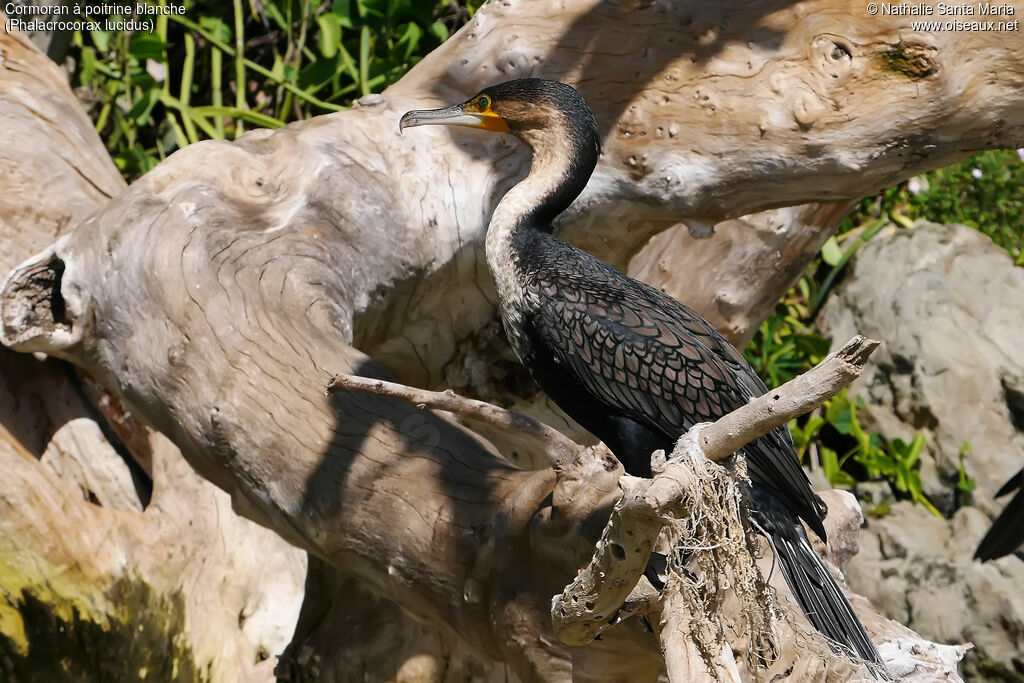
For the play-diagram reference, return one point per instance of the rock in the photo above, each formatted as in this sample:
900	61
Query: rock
842	525
948	306
917	569
874	494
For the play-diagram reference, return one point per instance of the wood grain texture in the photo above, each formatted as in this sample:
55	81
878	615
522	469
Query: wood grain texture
770	248
85	571
217	295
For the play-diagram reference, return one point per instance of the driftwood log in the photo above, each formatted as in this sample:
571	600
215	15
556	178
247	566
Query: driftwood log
217	295
93	587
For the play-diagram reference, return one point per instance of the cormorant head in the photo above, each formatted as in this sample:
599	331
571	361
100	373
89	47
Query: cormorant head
534	110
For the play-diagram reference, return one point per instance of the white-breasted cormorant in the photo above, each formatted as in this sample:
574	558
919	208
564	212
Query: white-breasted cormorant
632	365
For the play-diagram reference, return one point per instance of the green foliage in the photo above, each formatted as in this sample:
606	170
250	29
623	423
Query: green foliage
964	484
786	345
221	66
983	192
836	257
783	348
836	423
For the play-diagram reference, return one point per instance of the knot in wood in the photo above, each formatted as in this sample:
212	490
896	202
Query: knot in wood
914	60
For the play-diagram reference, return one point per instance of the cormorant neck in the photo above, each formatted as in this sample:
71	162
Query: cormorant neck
561	132
564	155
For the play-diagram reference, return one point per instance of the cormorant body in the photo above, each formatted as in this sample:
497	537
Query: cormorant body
630	364
1007	533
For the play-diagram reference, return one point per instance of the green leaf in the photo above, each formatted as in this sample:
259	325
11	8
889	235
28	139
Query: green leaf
830	251
101	39
278	69
343	10
364	60
440	31
330	34
843	422
88	65
915	449
835	475
397	8
816	346
371	8
410	40
274	13
217	28
142	80
318	72
834	405
143	106
812	426
145	46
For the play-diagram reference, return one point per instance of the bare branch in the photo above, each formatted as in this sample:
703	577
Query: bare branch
794	398
586	607
560	448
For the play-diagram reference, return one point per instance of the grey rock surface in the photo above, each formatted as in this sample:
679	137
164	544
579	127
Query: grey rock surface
917	569
948	306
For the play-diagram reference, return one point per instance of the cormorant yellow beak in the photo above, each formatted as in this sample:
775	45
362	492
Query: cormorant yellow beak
455	115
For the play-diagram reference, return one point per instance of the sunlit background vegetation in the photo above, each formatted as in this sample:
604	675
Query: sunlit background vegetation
228	66
153	93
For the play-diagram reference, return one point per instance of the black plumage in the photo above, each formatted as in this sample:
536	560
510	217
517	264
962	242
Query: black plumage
644	363
1007	533
630	364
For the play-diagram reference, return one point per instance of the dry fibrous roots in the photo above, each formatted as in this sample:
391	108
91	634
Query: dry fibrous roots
715	578
715	550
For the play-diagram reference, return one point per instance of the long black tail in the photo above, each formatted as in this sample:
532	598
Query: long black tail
812	585
1007	532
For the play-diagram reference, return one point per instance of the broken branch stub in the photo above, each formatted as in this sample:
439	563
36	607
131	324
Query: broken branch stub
794	398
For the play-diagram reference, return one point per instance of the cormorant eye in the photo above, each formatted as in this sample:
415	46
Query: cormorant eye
483	102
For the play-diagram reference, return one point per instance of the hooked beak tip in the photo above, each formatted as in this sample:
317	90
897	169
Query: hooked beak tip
402	122
411	119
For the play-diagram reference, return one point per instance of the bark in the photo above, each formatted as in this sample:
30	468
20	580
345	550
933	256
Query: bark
93	585
218	295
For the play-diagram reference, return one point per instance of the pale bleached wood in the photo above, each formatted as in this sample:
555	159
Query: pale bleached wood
55	168
776	245
185	585
556	447
683	660
218	294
